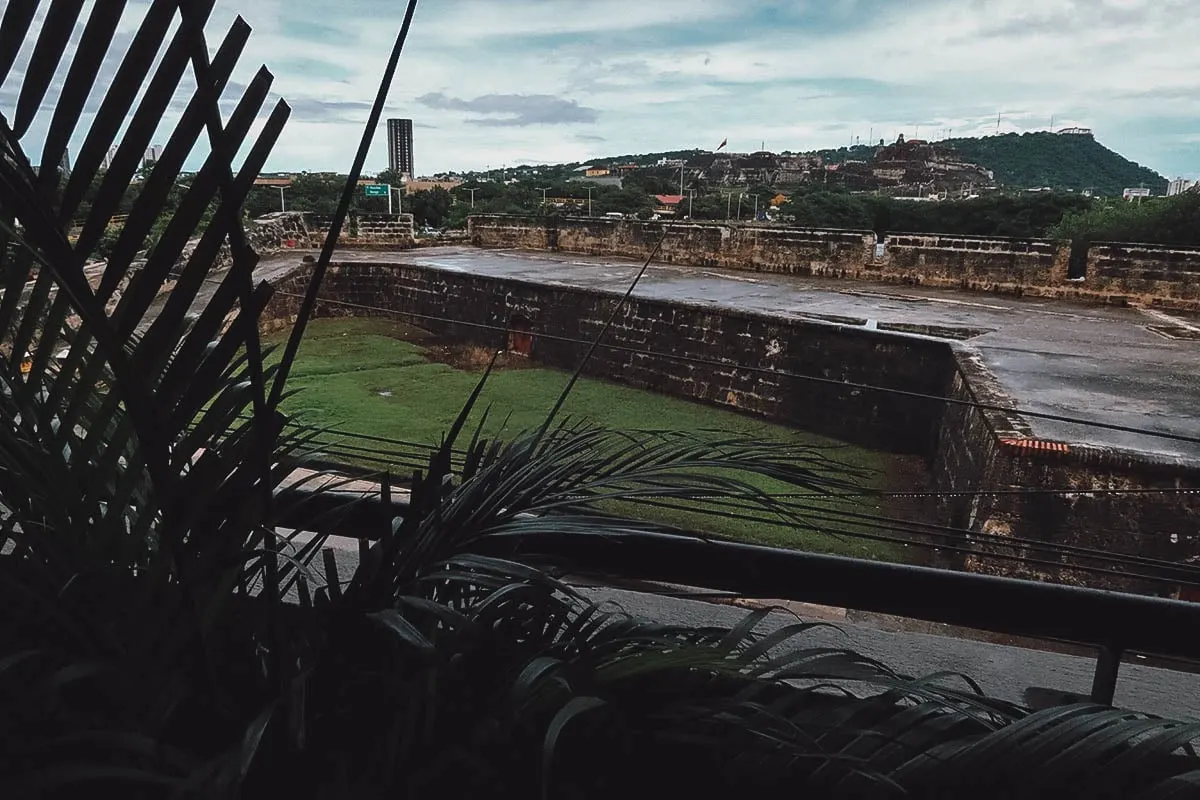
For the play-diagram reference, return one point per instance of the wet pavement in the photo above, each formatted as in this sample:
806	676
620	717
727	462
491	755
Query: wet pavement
1104	364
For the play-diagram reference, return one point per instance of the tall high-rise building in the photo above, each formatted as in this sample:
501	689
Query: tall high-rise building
1179	186
400	146
153	154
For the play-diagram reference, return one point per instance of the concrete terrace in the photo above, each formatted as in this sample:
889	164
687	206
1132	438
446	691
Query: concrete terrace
1138	368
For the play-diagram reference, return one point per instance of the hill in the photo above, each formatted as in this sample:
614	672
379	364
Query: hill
1035	160
1073	162
1078	162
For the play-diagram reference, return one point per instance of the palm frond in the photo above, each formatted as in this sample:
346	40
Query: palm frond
95	407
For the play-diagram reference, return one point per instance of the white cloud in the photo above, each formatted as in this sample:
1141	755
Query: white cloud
677	73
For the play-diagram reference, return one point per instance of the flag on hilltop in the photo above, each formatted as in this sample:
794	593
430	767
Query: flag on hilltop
724	142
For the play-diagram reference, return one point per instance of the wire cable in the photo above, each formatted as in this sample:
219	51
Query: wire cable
1178	437
1072	490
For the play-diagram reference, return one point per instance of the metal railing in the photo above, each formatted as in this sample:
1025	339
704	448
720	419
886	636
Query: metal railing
1114	623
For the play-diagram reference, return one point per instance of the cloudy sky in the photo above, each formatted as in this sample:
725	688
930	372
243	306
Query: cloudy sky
495	82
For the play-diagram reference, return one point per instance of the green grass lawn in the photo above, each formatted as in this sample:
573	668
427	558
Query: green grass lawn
361	376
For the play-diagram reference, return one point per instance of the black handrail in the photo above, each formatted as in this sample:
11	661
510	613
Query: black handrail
1113	622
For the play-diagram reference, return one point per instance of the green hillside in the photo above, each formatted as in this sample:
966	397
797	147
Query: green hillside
1032	160
1019	161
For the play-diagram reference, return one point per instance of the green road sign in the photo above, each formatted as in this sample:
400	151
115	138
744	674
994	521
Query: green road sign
376	189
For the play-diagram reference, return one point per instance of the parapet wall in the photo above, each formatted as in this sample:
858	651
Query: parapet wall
1024	503
727	358
1117	274
816	376
759	248
1153	274
362	231
1009	266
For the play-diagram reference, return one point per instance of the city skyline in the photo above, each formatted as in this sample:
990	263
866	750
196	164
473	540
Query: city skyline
553	81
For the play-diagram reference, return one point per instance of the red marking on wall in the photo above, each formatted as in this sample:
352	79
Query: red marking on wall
1036	445
520	336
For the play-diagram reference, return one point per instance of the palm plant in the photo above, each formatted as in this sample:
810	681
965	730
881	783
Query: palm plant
148	644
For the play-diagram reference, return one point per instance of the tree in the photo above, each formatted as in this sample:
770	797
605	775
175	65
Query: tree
1169	220
316	193
430	207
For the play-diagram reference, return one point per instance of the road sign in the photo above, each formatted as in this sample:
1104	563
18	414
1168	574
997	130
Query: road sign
376	189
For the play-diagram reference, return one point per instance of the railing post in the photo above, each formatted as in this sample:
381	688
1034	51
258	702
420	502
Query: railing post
1104	682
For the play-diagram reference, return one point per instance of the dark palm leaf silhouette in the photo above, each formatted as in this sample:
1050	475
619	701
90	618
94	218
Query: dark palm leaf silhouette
140	453
134	440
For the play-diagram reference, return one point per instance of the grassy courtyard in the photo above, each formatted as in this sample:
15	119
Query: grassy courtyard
367	376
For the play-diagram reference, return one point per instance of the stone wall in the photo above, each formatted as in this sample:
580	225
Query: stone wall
362	231
684	350
815	376
759	248
266	235
996	481
1167	277
1008	266
275	232
1117	274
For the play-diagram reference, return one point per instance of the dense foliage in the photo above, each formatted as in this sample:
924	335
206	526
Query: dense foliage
1034	160
1158	220
1027	215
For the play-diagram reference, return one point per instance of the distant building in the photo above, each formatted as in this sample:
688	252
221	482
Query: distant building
1075	132
602	180
1130	194
667	203
1179	186
400	146
153	154
563	202
596	172
412	187
107	160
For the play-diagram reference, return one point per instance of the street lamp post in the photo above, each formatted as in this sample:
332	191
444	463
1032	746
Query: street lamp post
399	190
542	189
756	208
740	196
473	191
691	196
282	202
728	204
589	201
